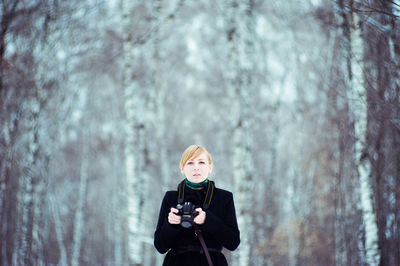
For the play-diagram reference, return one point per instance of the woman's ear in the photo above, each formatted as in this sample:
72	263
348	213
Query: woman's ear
211	167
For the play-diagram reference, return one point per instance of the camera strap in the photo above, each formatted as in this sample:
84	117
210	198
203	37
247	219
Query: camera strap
207	199
203	244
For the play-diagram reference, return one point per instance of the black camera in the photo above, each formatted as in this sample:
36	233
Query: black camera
188	213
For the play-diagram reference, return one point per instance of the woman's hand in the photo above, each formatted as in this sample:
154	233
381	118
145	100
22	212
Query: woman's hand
201	217
173	218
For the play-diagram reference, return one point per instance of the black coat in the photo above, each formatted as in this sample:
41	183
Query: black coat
219	230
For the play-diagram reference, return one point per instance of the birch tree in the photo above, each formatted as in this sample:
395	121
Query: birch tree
241	89
345	61
134	131
7	194
377	154
148	151
15	16
26	193
118	199
58	228
79	219
28	241
358	108
394	45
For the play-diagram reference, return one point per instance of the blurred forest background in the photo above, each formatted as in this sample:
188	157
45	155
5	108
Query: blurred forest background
297	101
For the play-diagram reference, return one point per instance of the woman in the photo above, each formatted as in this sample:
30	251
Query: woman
213	221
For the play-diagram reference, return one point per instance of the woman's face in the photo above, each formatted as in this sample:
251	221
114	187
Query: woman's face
197	169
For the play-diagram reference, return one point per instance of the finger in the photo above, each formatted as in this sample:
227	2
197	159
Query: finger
173	215
173	210
173	219
199	219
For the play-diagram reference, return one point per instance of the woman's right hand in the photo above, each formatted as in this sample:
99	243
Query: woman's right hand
173	218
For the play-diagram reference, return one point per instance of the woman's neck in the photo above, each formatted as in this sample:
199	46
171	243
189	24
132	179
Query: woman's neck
196	186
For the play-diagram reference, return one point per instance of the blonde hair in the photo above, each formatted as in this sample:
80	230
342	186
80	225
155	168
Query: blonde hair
193	151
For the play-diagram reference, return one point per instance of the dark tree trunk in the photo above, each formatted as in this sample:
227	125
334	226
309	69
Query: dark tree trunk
379	79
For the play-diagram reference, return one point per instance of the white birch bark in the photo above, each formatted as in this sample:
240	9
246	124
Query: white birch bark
9	136
231	72
241	91
358	109
79	222
348	215
79	219
131	150
154	129
4	165
160	90
41	166
143	191
116	221
37	222
58	228
117	197
25	208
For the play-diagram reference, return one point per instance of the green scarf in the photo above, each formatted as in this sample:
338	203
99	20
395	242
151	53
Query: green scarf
196	186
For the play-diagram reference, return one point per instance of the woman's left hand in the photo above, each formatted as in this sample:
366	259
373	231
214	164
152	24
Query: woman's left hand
201	217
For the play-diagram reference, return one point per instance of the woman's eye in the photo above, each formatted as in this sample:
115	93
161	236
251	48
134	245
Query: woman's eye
202	162
190	163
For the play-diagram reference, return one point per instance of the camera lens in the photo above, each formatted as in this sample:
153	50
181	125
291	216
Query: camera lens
186	224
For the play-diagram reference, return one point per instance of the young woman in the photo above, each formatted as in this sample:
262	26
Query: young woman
212	220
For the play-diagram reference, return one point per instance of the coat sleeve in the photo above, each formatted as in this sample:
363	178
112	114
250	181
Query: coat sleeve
224	230
165	233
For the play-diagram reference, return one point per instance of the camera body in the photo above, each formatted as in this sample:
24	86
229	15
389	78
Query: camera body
188	212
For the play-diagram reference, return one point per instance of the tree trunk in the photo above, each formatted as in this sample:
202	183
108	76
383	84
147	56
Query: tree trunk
154	126
395	128
118	203
7	194
134	127
53	203
240	56
79	221
348	82
358	107
28	183
379	82
117	208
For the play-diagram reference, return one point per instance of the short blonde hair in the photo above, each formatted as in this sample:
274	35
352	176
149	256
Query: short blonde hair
193	151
